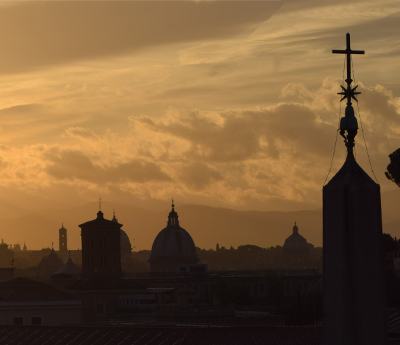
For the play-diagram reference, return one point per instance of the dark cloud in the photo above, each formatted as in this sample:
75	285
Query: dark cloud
293	128
5	147
199	175
380	103
34	35
3	163
80	132
71	165
21	110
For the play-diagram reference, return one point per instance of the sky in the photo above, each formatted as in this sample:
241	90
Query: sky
223	103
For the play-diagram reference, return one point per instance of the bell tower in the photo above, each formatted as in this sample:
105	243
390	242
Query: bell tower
101	247
62	239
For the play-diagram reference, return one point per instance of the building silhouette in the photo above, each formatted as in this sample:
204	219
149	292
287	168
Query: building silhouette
101	247
6	255
353	280
173	249
296	250
62	239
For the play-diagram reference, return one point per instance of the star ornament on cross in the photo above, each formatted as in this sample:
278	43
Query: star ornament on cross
348	92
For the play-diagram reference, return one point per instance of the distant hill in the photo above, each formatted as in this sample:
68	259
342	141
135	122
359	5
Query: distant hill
207	225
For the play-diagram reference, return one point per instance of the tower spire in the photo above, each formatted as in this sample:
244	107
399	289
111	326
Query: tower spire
348	122
173	216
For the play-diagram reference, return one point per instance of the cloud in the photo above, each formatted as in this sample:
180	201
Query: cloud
199	175
243	135
21	113
75	165
80	132
255	157
35	35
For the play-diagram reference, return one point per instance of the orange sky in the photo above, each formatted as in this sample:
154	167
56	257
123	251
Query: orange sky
229	104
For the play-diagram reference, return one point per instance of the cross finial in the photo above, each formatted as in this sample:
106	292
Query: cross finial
348	92
348	123
100	203
173	203
52	247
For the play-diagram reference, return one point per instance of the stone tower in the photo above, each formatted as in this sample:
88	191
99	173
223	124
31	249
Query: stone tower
353	277
101	247
62	240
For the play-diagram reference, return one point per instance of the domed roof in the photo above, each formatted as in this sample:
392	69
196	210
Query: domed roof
125	242
69	268
295	240
51	261
126	246
173	240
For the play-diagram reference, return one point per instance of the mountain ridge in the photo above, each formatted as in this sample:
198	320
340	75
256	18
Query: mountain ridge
208	225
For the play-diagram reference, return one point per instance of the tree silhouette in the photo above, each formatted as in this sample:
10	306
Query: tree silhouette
393	169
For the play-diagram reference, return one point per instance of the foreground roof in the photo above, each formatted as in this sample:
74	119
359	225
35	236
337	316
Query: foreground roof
14	335
24	290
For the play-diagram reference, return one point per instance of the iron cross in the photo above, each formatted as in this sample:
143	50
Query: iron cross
348	92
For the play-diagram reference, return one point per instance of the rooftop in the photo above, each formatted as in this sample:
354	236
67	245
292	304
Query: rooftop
27	290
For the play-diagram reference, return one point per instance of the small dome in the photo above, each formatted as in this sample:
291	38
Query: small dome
173	240
125	242
295	240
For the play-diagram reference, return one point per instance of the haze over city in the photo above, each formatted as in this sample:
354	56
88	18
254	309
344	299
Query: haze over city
225	104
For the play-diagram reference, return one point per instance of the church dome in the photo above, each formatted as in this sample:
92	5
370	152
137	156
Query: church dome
296	241
125	242
126	246
173	241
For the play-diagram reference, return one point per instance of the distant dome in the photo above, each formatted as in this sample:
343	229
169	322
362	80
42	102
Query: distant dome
125	242
296	241
173	241
126	246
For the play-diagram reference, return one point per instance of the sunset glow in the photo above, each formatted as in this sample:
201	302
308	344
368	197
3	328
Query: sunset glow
226	104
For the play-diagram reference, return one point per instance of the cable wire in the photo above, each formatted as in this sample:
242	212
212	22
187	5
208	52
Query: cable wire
337	132
362	129
365	144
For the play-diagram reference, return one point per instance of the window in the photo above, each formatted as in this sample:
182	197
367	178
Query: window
99	308
18	321
36	321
